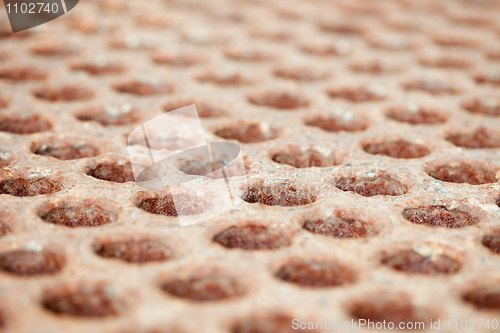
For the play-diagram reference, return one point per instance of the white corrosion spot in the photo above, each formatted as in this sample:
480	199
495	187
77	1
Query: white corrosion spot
423	250
33	246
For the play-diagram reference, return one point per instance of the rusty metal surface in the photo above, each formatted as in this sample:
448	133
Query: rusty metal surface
360	123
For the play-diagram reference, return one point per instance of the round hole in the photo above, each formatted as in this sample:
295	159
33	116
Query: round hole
113	171
301	73
24	124
422	260
135	250
279	99
78	214
248	132
110	115
305	156
484	298
434	87
367	93
446	62
315	273
391	307
439	216
205	109
340	225
66	93
204	287
178	59
31	262
492	77
480	138
48	49
25	187
92	300
473	173
268	323
492	241
4	102
165	205
340	120
415	115
143	88
398	149
372	184
488	106
279	193
248	55
230	78
21	74
254	237
98	69
65	149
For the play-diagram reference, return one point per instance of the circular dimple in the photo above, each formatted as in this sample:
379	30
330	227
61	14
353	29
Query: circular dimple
79	214
339	225
316	273
230	78
166	205
25	187
248	55
415	115
439	216
31	262
448	40
340	47
282	100
248	132
446	62
395	307
266	324
492	77
301	73
141	88
254	237
480	138
474	173
488	106
397	148
423	261
20	74
344	120
487	297
84	300
185	59
368	93
4	225
114	171
372	184
434	87
205	287
52	50
305	156
135	250
4	101
279	193
66	149
96	68
205	109
24	124
492	241
342	28
374	67
110	115
66	93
